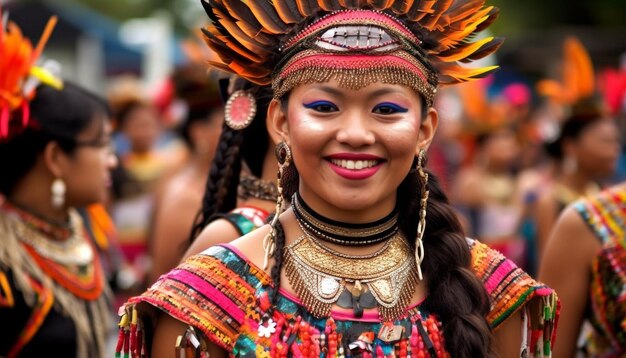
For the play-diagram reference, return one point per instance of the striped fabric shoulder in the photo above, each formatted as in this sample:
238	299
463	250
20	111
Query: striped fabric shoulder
212	292
508	286
605	214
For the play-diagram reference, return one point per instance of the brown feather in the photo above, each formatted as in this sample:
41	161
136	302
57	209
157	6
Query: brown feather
460	52
400	7
493	15
226	51
288	11
267	16
241	12
485	50
462	9
307	7
429	21
242	41
421	8
349	4
380	4
329	5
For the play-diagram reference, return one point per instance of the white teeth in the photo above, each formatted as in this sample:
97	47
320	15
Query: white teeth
354	164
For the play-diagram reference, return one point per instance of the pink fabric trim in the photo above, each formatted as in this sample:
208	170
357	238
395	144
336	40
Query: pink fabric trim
504	269
210	291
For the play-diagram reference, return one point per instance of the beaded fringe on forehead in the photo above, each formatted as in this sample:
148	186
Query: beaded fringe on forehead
353	79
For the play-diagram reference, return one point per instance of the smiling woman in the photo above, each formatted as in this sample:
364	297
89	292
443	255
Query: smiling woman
369	259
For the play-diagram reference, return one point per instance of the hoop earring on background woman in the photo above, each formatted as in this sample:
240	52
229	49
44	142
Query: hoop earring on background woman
421	225
58	190
283	155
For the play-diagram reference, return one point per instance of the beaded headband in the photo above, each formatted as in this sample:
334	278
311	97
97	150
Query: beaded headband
416	43
356	48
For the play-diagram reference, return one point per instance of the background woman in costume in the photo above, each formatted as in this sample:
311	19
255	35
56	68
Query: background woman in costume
586	147
486	191
369	259
180	196
591	276
241	191
55	153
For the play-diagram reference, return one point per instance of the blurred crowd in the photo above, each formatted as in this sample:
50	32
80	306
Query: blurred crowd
512	154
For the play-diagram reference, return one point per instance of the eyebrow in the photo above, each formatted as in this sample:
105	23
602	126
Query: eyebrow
337	92
331	90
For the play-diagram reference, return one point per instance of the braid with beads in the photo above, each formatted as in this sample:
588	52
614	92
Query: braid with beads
249	145
223	179
455	294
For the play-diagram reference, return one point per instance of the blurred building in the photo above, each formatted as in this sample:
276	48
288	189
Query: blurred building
86	43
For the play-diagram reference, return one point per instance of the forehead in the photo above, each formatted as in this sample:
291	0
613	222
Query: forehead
376	89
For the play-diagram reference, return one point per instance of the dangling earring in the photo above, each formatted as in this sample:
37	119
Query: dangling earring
283	155
58	193
421	225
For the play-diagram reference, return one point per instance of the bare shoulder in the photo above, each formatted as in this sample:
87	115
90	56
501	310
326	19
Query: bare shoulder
251	245
571	229
219	231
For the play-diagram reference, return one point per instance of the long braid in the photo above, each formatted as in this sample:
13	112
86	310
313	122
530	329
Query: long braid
455	294
221	186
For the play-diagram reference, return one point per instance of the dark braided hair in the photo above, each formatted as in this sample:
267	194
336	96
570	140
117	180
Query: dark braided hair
455	294
249	145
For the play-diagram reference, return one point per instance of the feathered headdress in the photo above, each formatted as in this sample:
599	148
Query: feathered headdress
417	43
578	79
18	74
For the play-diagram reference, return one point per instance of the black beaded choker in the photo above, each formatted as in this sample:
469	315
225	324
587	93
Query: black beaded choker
341	233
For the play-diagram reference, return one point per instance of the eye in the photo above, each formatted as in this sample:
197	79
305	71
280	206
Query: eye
322	106
389	108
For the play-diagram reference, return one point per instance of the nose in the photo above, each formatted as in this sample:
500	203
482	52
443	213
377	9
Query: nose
355	130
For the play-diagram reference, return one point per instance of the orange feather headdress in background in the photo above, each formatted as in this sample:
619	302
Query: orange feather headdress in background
578	79
19	74
260	40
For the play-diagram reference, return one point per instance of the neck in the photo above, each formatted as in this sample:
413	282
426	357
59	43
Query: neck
200	163
337	232
34	195
578	181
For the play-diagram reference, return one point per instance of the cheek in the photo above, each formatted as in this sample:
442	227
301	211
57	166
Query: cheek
401	137
306	132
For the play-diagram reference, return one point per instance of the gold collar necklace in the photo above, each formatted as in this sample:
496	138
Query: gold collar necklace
321	276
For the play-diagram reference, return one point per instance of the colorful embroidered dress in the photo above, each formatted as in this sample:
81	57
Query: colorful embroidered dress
606	216
53	296
225	297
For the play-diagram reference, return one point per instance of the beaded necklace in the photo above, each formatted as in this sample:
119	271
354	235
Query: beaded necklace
329	230
64	253
322	276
